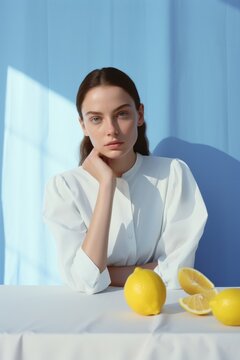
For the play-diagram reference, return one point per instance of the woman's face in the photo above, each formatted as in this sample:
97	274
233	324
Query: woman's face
110	119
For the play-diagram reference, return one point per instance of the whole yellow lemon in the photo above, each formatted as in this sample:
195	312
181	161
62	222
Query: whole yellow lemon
145	292
226	306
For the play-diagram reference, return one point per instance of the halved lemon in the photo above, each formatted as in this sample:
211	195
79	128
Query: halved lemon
194	282
197	304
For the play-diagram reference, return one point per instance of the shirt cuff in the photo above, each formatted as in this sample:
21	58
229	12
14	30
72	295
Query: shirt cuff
170	280
87	275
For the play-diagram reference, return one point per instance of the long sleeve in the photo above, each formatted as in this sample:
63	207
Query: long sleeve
65	223
184	219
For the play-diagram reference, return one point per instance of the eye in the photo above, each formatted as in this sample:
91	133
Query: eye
95	119
123	114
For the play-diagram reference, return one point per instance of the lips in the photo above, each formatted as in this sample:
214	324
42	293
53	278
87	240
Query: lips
112	143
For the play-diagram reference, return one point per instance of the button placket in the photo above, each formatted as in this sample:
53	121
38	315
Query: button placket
129	223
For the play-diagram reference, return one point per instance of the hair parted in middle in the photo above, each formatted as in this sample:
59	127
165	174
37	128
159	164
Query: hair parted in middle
114	77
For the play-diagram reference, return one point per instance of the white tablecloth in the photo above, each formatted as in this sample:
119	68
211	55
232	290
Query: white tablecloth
49	323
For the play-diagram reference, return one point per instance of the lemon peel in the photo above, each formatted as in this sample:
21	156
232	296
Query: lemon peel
145	292
197	304
200	289
193	281
226	306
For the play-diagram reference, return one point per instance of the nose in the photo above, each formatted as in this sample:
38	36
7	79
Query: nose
111	127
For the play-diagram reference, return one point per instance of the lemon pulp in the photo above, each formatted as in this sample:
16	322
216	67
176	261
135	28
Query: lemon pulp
193	281
200	288
196	304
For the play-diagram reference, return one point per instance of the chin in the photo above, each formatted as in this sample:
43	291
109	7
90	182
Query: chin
114	154
117	155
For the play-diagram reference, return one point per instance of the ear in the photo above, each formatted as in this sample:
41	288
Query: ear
83	126
140	115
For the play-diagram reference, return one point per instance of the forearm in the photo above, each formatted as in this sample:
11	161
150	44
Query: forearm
119	274
95	243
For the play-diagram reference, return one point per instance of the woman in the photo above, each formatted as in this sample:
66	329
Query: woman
121	208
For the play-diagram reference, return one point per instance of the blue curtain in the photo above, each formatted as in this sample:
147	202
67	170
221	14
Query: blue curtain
184	57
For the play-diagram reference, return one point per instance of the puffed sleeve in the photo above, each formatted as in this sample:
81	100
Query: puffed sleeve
65	223
184	219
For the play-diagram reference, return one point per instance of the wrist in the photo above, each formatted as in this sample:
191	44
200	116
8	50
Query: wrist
108	183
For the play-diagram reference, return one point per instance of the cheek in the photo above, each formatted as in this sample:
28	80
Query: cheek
95	138
131	129
127	125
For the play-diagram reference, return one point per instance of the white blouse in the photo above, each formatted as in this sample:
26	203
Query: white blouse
158	214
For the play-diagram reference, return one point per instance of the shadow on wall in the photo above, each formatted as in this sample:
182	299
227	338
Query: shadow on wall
218	177
234	3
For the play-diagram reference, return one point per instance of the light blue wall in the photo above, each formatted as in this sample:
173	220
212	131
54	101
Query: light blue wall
184	57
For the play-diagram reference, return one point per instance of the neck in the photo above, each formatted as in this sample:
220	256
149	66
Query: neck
123	164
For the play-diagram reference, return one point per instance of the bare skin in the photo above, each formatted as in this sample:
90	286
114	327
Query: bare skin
99	226
103	123
119	274
100	223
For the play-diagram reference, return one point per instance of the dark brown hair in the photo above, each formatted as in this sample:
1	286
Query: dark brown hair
115	77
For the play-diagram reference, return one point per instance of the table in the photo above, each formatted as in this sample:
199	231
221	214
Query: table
53	322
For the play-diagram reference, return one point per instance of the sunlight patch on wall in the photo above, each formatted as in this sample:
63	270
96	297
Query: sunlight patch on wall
41	120
41	138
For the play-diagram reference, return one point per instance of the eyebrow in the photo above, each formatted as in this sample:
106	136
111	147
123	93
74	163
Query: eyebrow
99	113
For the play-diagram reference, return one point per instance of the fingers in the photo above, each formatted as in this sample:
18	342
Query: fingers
98	166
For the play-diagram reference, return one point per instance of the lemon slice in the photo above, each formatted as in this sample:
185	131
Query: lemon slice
197	304
193	281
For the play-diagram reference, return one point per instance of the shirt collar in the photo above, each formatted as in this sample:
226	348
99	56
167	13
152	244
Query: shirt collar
131	172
